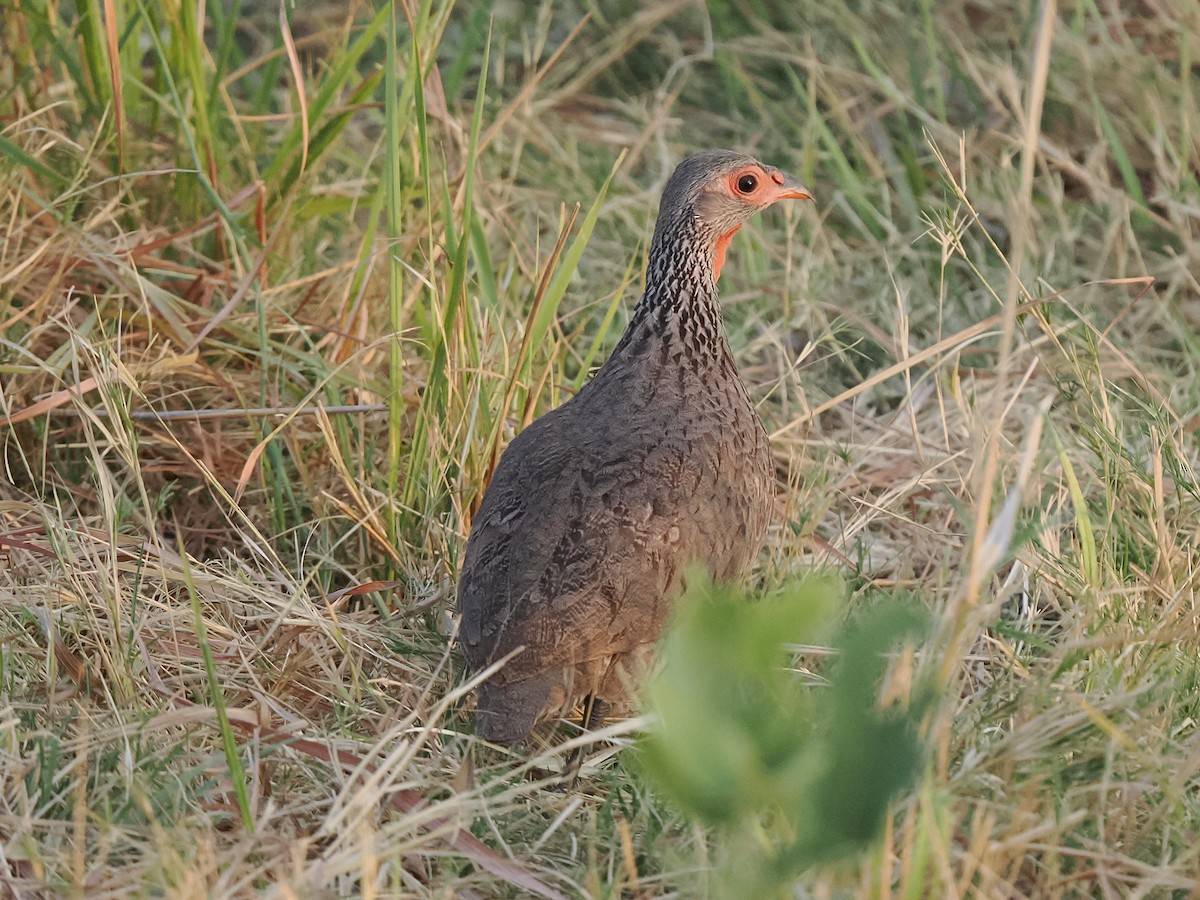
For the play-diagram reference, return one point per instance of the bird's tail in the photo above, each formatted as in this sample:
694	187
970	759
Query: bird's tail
506	711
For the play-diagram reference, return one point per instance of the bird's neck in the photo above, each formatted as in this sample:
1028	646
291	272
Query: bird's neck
680	305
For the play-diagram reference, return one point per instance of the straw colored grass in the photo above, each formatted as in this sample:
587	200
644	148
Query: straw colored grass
273	296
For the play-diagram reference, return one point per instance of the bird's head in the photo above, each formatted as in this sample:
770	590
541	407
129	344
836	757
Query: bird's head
720	190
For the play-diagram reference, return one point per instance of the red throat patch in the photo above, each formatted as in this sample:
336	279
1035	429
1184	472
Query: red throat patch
719	253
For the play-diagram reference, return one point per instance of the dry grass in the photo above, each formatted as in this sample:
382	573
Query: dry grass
225	665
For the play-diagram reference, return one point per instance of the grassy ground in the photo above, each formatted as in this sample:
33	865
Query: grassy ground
273	296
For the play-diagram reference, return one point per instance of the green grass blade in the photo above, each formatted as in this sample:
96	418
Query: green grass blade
557	288
216	694
1125	166
1085	533
393	190
32	163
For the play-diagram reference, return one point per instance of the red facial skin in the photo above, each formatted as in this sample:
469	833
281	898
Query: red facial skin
771	185
719	253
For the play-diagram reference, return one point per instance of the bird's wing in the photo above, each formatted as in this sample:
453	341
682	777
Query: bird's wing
573	553
515	531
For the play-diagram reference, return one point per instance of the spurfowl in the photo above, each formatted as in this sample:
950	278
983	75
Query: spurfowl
580	546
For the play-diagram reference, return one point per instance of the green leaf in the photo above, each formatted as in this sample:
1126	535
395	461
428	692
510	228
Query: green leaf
794	775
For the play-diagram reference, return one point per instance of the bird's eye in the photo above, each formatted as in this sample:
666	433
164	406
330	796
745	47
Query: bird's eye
747	183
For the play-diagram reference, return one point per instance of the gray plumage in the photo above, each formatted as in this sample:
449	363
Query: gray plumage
578	550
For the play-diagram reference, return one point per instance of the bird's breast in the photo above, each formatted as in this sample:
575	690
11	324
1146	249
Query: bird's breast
694	442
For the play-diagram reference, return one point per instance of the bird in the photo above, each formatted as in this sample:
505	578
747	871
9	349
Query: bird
597	510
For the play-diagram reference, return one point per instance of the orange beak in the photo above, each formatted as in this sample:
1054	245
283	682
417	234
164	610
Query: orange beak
790	188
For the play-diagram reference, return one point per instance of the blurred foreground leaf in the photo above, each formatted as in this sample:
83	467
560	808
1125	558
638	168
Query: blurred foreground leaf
794	774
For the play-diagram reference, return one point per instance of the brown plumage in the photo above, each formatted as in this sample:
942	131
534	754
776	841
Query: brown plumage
579	548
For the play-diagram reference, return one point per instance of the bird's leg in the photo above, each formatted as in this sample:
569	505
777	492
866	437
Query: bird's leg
595	711
592	718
